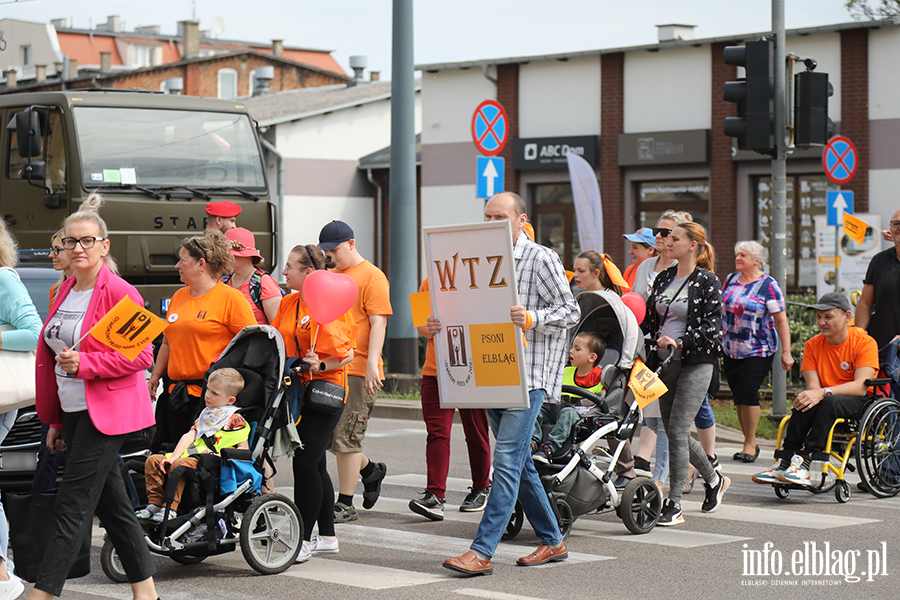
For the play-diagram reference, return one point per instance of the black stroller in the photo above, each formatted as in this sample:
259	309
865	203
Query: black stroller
211	521
577	481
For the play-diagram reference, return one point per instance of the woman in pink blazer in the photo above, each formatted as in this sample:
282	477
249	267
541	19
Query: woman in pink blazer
91	396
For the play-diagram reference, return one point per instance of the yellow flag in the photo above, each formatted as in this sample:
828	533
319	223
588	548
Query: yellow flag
855	228
128	328
645	385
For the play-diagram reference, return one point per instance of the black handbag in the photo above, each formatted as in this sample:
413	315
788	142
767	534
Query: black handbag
324	397
32	524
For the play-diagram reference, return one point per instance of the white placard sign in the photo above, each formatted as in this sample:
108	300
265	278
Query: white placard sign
854	257
472	286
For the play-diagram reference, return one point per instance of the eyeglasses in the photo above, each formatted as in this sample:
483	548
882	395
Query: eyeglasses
86	242
55	250
895	224
661	231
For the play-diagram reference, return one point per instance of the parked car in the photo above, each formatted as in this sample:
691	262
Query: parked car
18	453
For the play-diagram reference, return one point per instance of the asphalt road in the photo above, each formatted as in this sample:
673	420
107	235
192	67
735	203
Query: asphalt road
393	554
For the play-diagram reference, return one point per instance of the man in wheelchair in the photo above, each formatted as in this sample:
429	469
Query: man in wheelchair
218	426
836	364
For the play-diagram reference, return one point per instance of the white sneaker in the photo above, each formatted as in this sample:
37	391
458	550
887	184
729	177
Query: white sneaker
11	588
796	473
319	545
305	553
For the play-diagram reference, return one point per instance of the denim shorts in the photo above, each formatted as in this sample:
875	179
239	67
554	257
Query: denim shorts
705	417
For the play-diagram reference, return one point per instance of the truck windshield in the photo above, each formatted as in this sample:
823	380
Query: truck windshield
159	147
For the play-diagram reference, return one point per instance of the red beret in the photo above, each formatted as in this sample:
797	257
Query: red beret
223	209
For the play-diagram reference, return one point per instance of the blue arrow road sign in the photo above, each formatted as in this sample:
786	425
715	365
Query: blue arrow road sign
491	176
839	202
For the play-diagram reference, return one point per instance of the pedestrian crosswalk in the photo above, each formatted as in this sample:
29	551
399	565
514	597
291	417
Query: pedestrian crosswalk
433	545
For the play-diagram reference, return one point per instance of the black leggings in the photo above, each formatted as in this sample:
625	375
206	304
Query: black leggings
313	491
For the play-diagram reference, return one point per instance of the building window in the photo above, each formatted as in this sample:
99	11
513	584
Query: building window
26	56
656	197
228	83
800	238
553	217
143	56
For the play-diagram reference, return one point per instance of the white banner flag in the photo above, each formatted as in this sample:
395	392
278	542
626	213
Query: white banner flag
588	209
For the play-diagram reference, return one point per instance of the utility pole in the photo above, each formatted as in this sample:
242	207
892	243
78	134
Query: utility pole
779	196
403	342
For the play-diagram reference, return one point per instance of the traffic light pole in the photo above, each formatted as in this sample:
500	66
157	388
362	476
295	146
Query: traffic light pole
779	196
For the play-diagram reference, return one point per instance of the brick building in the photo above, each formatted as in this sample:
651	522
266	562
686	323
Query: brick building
649	119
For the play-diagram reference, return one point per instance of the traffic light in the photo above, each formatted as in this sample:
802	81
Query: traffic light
754	125
811	123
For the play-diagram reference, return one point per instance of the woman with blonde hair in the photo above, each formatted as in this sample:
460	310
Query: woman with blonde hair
684	317
92	397
203	317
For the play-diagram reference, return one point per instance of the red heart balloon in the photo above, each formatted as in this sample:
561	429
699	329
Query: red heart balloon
328	295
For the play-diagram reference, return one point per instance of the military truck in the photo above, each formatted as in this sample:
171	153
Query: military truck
157	160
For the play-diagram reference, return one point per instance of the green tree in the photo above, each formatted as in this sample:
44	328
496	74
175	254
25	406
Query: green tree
863	9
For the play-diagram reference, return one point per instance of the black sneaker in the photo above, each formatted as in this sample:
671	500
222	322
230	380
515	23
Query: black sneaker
714	461
429	506
670	514
621	481
714	494
475	501
642	466
372	485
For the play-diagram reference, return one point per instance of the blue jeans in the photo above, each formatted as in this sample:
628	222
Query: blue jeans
7	420
515	475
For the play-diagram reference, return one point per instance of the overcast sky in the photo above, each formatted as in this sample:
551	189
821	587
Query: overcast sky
444	31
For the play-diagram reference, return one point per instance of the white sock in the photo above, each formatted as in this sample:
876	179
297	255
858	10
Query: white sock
715	480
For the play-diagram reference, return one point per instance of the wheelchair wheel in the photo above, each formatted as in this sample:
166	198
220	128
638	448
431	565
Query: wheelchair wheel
515	522
641	505
878	450
842	491
271	534
565	517
110	563
782	491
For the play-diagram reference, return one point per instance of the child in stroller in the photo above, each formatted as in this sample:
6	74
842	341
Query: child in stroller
218	426
584	356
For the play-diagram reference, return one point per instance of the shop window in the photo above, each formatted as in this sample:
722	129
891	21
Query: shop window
800	238
656	197
553	218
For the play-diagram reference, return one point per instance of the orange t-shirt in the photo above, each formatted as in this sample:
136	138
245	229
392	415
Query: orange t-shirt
200	327
296	325
630	273
430	366
838	364
374	299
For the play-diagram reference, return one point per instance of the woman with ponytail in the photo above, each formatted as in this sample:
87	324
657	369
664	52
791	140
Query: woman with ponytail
684	316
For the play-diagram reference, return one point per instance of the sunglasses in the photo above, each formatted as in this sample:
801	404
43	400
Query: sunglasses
661	231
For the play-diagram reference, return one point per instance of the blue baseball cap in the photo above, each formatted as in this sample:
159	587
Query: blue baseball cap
644	235
333	234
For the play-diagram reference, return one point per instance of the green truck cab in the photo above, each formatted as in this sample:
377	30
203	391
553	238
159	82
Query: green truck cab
157	160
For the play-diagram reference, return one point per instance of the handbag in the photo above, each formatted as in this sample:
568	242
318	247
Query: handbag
324	397
32	525
17	389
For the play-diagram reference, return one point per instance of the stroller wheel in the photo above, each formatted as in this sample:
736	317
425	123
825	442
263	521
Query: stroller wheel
110	563
565	517
271	534
515	522
641	505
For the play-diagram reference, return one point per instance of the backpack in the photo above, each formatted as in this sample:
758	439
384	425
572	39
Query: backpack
255	286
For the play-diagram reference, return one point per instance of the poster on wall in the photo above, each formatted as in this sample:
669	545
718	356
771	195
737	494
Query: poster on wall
472	285
855	257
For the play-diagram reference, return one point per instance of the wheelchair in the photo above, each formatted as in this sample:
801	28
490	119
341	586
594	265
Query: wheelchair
872	438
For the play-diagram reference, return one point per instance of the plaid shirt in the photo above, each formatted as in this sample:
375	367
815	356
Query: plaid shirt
544	292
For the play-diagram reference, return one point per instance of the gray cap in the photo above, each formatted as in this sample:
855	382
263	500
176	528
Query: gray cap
832	300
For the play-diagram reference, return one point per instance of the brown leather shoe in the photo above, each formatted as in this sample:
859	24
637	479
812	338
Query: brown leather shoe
469	564
544	554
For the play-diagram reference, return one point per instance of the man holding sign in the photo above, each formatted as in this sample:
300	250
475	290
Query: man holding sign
546	310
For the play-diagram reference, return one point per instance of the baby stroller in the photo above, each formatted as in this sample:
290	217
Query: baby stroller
213	517
577	481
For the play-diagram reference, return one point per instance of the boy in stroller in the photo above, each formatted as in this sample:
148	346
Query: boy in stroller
218	426
587	349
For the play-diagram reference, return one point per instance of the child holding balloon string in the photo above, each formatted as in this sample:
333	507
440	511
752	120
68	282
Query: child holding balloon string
317	326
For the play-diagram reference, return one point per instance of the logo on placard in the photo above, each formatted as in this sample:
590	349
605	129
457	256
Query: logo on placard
458	358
